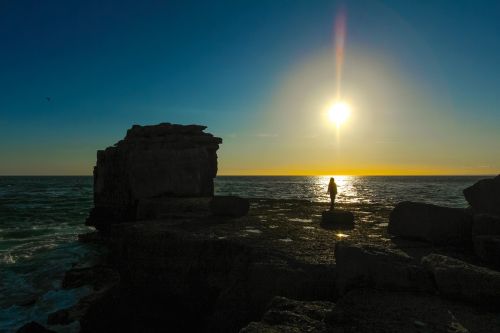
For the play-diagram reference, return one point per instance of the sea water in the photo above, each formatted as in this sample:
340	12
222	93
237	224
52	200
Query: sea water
40	218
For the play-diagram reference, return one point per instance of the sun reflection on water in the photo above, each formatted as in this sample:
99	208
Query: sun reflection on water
346	191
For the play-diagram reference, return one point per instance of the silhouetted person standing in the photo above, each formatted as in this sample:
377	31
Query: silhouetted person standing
332	189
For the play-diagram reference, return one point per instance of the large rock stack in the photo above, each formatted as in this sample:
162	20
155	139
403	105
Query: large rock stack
152	163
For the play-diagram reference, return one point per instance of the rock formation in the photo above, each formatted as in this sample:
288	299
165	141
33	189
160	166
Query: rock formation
161	161
435	224
287	315
341	219
457	279
267	271
375	266
484	196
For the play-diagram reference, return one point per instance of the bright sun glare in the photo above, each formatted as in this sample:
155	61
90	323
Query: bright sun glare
339	112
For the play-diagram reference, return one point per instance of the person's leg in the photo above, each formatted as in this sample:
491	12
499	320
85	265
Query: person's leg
333	202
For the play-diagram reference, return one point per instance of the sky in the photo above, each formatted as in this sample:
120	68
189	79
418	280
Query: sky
422	79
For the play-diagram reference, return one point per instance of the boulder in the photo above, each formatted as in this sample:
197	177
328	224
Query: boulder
484	196
337	218
485	224
375	266
230	206
457	279
435	224
487	248
287	315
164	160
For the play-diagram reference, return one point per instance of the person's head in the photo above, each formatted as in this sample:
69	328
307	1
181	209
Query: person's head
332	180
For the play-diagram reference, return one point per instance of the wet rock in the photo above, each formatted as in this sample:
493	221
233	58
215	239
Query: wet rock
457	279
485	224
366	265
164	160
101	279
487	248
287	315
93	237
33	327
230	206
95	276
29	300
337	218
435	224
484	196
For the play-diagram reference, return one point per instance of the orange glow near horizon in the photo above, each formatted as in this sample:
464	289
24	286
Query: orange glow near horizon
361	172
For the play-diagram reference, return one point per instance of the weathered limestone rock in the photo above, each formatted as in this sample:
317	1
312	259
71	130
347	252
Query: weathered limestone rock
288	316
379	311
435	224
337	218
484	196
457	279
164	160
231	206
366	265
486	238
485	224
487	247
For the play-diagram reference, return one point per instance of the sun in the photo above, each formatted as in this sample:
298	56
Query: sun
339	112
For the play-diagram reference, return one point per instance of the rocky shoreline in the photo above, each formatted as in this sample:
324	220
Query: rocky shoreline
179	259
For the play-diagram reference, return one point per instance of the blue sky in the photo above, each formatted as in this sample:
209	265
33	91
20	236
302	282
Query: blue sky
227	64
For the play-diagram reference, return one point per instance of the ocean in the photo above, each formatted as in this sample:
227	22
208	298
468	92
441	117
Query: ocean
40	218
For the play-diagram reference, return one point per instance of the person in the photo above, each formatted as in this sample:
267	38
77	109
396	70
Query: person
332	189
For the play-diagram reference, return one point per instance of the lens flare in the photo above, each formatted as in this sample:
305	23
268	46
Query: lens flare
339	33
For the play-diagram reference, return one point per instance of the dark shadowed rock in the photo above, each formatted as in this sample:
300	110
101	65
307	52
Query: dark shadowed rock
230	206
33	327
484	196
160	208
378	311
487	247
366	265
457	279
337	218
164	160
214	274
435	224
287	315
486	224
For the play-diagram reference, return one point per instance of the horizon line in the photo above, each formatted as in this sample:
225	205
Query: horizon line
287	175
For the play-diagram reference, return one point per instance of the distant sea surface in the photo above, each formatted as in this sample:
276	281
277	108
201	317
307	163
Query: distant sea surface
40	218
